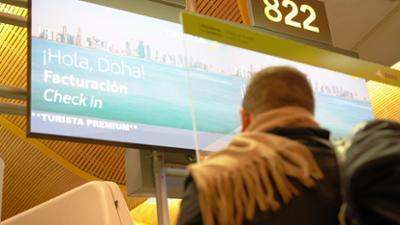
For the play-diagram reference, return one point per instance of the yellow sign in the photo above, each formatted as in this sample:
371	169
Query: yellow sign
302	18
273	13
248	38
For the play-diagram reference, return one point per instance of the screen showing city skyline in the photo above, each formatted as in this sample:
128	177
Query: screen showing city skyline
110	75
105	74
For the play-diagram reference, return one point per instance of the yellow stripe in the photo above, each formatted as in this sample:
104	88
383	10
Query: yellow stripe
50	153
46	151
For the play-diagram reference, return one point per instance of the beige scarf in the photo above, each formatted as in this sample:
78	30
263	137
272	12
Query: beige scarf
232	182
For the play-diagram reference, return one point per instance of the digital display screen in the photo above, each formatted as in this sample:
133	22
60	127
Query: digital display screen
105	74
99	73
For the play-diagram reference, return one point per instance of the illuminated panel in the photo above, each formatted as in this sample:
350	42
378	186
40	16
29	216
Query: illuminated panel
385	99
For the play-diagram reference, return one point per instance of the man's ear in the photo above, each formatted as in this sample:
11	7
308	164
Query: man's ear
246	119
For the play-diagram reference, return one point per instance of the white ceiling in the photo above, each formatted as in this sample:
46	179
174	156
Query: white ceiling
369	27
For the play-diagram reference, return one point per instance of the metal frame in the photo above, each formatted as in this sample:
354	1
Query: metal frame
13	93
13	19
19	3
160	178
12	108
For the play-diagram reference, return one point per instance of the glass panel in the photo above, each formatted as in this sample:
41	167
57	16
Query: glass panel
218	74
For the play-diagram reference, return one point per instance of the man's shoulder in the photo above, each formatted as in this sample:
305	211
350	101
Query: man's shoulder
313	138
300	132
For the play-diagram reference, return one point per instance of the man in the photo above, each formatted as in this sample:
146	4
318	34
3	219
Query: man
279	170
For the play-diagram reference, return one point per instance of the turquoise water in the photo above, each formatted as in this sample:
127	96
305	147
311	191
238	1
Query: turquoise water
162	97
341	115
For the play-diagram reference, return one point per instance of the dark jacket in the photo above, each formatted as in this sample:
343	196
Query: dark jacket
317	206
371	175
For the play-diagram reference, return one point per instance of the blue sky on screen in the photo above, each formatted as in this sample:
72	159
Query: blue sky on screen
112	25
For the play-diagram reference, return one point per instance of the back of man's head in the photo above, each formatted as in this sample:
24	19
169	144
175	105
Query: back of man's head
276	87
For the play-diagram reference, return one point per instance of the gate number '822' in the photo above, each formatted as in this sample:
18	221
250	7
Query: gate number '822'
277	15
